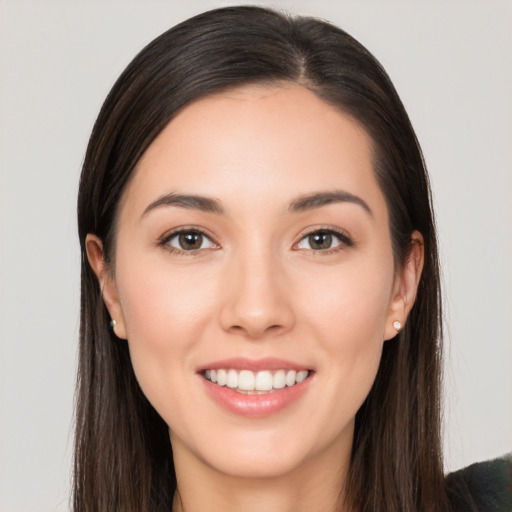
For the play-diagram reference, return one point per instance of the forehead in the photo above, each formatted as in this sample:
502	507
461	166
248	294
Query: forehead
257	143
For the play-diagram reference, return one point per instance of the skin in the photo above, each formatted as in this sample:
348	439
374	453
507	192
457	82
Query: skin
257	289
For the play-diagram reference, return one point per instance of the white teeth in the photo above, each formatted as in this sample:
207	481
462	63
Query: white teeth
290	377
246	380
263	381
301	376
221	377
232	379
279	380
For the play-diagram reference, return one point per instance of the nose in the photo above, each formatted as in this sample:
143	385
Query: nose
257	299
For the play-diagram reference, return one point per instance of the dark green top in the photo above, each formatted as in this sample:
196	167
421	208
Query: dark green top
482	487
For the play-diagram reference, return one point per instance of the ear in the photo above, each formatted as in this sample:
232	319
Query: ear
94	248
405	286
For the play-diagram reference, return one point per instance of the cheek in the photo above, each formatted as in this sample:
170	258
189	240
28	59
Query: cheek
348	315
161	303
165	314
351	303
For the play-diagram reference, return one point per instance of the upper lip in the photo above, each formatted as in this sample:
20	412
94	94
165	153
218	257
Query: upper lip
255	365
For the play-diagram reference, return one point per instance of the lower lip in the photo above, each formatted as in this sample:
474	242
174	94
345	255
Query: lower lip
255	406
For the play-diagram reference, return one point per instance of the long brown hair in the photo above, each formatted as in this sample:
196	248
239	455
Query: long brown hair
123	457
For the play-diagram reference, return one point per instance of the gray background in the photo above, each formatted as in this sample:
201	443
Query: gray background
451	63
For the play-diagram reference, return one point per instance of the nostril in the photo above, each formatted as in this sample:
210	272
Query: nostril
254	331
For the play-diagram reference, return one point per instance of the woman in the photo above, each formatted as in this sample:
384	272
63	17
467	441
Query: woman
260	286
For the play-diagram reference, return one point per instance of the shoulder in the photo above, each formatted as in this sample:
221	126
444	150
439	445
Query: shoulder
482	487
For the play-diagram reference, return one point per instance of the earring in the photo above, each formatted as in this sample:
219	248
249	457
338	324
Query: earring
113	325
397	325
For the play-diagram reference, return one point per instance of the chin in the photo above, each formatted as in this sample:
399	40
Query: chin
266	452
258	466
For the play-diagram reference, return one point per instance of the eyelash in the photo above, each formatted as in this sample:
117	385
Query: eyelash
344	240
166	239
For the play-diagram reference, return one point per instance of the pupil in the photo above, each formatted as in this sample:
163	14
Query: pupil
190	241
320	241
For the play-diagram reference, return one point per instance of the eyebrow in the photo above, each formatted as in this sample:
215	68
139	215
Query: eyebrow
301	204
204	204
319	199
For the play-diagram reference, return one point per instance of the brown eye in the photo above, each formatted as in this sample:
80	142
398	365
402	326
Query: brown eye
190	241
323	240
320	241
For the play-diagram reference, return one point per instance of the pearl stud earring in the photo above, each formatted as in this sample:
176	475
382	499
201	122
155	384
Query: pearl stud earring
112	324
397	325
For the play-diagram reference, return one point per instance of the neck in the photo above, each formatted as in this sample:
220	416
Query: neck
318	484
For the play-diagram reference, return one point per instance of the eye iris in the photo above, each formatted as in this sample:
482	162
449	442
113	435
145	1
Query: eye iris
190	241
320	240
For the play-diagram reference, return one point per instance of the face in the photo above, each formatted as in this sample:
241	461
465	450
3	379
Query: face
253	250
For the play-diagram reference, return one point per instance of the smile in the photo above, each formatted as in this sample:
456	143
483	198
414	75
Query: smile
261	382
256	388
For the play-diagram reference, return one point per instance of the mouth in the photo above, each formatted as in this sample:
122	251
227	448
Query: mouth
255	383
256	388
